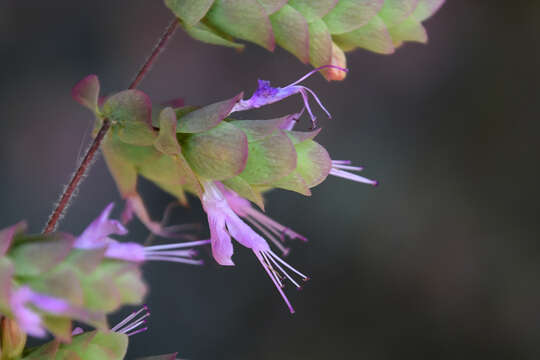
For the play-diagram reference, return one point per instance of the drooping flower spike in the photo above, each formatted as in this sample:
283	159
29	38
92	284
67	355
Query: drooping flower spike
343	168
225	223
270	228
96	236
266	95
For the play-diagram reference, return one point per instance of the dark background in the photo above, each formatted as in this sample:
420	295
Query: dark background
442	261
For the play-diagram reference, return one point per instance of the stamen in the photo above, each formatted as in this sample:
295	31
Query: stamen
304	277
343	162
317	70
347	167
270	236
278	287
129	325
353	177
318	101
273	225
174	259
302	91
177	245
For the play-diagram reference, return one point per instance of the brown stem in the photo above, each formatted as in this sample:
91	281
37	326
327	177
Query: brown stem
89	156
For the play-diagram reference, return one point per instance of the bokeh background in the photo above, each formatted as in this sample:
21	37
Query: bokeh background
442	261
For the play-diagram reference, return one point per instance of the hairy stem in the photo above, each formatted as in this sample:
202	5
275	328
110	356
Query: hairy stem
80	173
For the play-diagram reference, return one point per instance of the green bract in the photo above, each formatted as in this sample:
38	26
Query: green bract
315	31
49	265
189	145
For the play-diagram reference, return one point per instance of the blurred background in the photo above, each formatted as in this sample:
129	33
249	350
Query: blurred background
441	261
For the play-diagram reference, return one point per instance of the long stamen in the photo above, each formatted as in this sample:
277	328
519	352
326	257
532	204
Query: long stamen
283	262
302	91
273	225
278	287
353	177
317	70
270	236
318	101
178	245
341	162
347	167
174	259
130	324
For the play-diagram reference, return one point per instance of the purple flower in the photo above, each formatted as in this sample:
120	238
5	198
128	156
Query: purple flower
266	95
225	223
340	167
96	236
29	320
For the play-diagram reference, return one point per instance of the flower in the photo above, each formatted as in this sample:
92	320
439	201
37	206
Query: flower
96	236
225	223
270	228
340	167
266	95
29	320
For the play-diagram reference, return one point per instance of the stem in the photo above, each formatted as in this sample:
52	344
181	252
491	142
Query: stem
80	173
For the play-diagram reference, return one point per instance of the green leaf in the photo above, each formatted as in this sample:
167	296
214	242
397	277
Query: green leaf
207	117
207	34
86	92
130	112
320	44
269	159
7	235
426	8
190	11
374	37
271	6
394	12
40	253
60	327
293	182
166	142
313	9
291	32
62	282
409	30
314	163
300	136
117	157
219	153
244	19
242	188
95	345
350	15
44	352
259	129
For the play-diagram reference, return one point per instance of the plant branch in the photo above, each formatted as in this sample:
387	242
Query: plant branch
88	159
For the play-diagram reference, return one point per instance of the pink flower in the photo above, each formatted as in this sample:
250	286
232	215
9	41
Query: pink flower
96	236
30	321
225	223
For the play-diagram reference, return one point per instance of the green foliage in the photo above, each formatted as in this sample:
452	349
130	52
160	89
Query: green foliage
315	31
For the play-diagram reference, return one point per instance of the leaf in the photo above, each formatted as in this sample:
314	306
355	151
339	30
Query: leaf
242	188
338	59
291	32
314	163
7	234
244	19
86	92
313	9
61	283
219	153
409	30
44	352
122	170
271	6
130	111
166	142
269	159
374	37
40	253
426	8
259	129
207	34
350	15
189	11
60	327
300	136
320	44
394	12
293	182
207	117
95	345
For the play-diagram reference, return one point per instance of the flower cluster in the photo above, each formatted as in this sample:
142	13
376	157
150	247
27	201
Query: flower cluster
226	163
317	32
